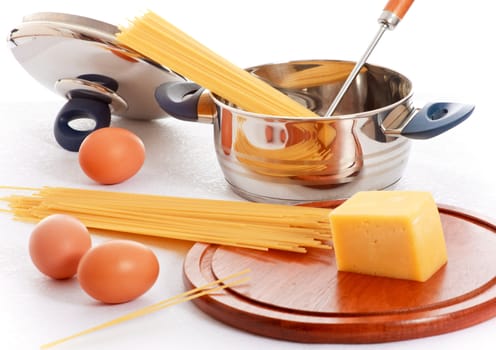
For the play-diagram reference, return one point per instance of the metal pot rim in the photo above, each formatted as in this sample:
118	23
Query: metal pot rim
219	101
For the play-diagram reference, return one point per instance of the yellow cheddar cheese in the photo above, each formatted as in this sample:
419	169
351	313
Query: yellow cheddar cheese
394	234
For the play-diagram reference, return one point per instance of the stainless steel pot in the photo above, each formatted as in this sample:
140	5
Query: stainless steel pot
363	146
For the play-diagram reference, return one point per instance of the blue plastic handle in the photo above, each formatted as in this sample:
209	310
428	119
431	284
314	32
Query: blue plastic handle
79	108
435	118
179	99
83	104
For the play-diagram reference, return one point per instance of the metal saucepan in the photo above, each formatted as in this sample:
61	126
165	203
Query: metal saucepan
363	146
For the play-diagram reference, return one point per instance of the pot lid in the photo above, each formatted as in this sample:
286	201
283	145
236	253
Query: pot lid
64	51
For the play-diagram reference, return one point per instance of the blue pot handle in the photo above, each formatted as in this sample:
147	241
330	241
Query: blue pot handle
435	118
78	108
180	99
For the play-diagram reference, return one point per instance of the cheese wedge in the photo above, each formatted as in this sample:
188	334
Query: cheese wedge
394	234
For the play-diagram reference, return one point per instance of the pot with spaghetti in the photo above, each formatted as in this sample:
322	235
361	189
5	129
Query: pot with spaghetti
272	142
292	159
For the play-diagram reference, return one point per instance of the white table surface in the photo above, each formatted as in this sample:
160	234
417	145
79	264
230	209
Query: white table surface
445	47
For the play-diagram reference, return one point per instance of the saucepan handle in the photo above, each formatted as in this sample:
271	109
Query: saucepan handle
180	99
431	120
435	118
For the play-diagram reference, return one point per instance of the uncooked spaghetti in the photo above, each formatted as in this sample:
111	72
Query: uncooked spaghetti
212	287
157	39
259	226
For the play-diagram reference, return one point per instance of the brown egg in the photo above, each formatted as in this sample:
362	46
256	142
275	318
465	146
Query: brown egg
56	245
111	155
118	271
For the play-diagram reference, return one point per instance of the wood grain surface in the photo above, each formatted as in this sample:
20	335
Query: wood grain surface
303	298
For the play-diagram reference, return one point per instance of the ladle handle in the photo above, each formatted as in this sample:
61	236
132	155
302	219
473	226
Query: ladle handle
389	19
394	11
398	7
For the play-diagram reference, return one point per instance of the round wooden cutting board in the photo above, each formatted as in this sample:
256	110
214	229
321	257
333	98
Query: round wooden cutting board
303	298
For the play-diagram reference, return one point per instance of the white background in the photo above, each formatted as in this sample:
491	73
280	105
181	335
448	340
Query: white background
445	47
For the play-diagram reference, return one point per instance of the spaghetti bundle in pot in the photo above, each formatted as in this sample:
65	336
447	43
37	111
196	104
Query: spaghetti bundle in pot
156	38
234	223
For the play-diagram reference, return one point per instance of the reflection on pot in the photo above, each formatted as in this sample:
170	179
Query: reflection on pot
226	131
320	153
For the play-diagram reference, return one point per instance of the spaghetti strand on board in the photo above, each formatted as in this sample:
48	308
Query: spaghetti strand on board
259	226
212	287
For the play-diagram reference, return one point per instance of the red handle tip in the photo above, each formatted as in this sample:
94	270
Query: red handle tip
398	7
